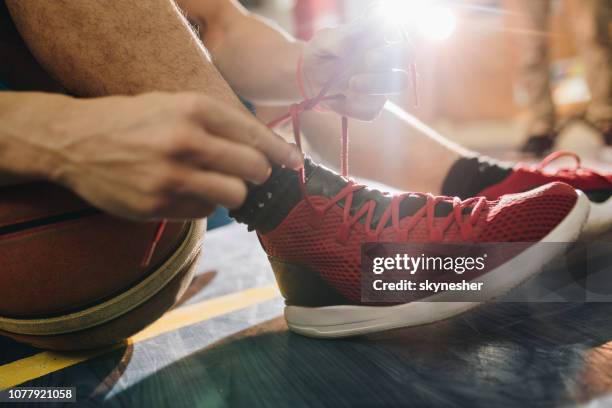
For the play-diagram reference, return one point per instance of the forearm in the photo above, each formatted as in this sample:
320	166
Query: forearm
96	47
257	58
27	135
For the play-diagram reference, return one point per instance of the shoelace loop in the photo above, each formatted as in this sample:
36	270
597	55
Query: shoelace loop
548	160
567	172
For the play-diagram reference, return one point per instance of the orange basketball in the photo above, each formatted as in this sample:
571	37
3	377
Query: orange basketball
71	276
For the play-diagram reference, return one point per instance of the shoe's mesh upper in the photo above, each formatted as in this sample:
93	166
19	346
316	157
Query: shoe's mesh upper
527	217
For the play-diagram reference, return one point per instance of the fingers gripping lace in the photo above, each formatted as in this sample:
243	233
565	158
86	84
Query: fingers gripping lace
392	212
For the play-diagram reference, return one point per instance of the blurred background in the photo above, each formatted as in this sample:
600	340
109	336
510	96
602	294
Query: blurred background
469	54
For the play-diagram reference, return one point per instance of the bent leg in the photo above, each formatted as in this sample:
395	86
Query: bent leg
592	21
534	65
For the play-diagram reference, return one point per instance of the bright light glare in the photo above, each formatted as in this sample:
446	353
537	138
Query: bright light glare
438	23
433	21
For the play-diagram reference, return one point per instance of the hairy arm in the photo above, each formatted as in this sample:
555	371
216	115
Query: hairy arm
254	55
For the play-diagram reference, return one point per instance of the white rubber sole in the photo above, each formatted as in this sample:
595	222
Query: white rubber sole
600	219
350	320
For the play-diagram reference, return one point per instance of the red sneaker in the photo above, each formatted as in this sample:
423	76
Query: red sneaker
314	244
313	236
597	187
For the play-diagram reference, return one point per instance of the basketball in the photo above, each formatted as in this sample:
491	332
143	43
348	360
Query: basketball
71	276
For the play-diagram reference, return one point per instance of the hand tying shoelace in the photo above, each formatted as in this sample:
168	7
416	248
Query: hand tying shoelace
294	115
392	213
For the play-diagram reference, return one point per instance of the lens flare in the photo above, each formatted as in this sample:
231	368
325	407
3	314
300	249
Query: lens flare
437	22
434	21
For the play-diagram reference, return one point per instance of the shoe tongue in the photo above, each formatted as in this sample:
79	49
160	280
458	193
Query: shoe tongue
323	182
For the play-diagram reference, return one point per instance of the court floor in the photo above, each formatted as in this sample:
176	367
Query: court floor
228	346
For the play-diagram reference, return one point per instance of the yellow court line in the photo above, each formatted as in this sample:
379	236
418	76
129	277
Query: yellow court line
47	362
